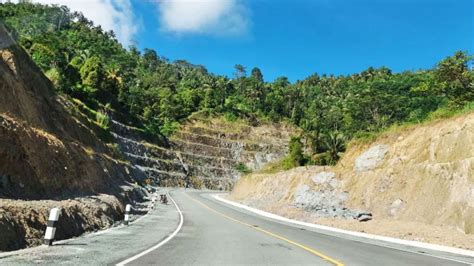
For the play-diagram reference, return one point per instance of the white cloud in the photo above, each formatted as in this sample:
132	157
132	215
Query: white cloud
216	17
116	15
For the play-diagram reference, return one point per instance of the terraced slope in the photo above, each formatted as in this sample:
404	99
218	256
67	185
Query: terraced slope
204	154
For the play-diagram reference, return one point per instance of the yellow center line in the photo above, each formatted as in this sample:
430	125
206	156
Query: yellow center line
314	252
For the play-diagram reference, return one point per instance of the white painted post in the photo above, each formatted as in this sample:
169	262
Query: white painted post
153	200
128	207
51	227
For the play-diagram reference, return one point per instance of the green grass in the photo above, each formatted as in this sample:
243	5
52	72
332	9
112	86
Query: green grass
445	112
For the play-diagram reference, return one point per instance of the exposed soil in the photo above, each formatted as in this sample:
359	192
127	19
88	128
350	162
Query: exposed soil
50	158
23	223
417	231
418	183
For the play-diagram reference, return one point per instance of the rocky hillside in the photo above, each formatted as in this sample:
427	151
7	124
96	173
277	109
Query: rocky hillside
420	176
52	153
48	154
204	153
45	151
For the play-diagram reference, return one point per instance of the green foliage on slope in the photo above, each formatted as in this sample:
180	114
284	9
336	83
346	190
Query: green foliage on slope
88	63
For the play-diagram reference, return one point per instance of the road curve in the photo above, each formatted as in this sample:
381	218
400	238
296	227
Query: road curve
216	234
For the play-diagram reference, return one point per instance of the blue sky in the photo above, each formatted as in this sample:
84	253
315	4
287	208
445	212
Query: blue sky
292	38
297	38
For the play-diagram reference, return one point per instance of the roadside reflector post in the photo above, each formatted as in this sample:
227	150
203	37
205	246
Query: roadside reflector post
51	227
153	200
128	207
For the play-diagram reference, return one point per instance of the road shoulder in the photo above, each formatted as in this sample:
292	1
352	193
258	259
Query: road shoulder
111	245
461	255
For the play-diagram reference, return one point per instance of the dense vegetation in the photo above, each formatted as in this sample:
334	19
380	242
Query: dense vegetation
87	63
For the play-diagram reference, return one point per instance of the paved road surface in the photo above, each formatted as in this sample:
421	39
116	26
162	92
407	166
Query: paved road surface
216	234
104	247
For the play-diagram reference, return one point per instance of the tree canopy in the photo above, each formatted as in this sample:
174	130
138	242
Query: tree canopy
86	62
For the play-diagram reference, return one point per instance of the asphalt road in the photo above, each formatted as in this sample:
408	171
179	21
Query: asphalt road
215	234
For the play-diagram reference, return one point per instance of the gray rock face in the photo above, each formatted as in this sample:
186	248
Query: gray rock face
371	158
307	198
205	156
328	201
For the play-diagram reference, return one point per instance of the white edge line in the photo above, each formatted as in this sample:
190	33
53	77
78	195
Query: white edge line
143	253
418	244
83	236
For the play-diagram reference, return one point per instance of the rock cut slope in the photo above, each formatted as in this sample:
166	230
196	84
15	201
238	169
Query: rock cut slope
205	153
418	183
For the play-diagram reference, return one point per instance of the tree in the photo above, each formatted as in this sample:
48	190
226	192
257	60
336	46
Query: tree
295	156
240	71
455	80
92	72
335	145
257	74
84	61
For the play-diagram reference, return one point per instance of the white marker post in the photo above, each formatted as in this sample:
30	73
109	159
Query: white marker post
51	228
128	207
153	200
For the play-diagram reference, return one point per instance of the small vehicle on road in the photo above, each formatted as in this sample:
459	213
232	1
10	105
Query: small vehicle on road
164	199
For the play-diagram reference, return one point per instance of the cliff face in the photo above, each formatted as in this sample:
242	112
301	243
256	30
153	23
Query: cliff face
422	175
204	153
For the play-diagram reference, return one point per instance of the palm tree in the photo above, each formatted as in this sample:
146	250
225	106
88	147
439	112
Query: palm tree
335	145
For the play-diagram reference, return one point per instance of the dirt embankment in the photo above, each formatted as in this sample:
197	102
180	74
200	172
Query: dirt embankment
49	156
22	223
418	183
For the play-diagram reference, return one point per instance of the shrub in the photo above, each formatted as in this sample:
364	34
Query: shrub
295	156
169	127
92	72
230	117
102	119
242	168
54	76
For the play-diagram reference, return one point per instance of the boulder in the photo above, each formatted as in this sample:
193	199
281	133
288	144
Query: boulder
363	216
395	207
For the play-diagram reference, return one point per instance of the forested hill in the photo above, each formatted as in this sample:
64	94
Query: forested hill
86	62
